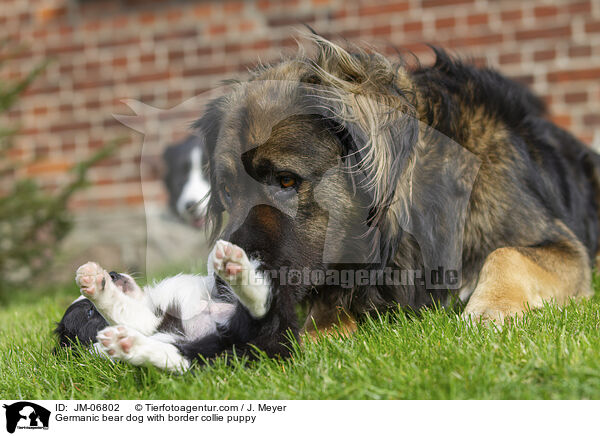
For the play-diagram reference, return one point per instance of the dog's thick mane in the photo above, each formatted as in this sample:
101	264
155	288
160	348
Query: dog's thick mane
388	111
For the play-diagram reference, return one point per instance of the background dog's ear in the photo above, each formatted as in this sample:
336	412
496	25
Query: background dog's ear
207	129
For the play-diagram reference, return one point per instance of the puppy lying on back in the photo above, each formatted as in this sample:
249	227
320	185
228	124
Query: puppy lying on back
155	324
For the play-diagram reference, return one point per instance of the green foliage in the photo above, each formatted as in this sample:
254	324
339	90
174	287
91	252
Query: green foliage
33	220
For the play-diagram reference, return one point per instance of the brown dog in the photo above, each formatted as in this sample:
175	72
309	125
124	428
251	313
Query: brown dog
382	186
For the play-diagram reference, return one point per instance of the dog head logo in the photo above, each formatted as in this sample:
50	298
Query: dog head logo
26	415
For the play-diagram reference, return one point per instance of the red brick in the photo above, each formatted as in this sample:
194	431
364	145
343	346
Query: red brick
174	15
580	51
111	43
93	84
438	3
563	120
176	55
550	32
120	22
574	75
380	30
68	126
119	62
263	44
51	13
147	18
246	26
149	77
545	11
580	7
176	34
473	20
134	199
576	97
511	15
592	27
390	8
525	79
487	39
147	57
233	7
290	20
413	26
591	119
544	55
217	29
205	71
510	58
203	10
48	167
443	23
63	49
204	51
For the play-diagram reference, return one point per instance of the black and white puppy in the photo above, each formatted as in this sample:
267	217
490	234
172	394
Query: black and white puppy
186	179
155	324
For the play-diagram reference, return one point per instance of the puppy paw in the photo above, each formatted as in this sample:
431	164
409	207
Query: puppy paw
119	342
91	279
229	261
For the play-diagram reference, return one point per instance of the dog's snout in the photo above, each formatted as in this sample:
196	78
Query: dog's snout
114	276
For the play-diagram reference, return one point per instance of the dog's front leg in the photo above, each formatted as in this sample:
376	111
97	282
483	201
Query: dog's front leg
328	319
514	279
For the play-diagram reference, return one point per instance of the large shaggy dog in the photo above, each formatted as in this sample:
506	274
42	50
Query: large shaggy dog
360	185
346	161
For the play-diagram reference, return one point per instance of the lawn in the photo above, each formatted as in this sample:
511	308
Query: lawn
553	353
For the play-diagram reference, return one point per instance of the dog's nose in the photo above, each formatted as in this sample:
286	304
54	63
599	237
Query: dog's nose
114	276
190	205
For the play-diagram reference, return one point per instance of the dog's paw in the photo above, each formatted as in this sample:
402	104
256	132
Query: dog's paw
229	261
489	314
91	279
119	342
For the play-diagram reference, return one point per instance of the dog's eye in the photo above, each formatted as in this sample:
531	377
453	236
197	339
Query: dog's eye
90	312
227	192
287	181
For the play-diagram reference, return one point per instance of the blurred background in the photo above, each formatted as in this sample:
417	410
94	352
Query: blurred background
105	55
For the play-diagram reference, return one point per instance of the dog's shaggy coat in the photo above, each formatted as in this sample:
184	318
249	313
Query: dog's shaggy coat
347	162
450	166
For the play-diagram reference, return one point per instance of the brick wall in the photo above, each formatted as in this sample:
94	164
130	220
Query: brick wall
165	52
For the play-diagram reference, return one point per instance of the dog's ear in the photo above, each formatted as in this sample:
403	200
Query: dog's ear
369	98
419	181
207	128
443	177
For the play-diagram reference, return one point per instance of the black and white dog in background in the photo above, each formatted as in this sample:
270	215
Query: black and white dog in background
157	324
186	179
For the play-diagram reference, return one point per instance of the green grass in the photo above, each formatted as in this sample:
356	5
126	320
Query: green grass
553	353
